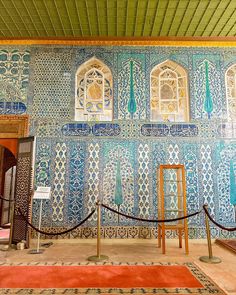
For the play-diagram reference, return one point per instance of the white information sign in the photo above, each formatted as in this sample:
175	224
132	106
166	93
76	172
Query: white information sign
42	193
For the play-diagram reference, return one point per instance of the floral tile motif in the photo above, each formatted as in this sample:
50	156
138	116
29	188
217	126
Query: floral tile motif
116	161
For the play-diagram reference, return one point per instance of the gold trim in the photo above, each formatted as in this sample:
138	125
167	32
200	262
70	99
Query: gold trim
14	126
164	41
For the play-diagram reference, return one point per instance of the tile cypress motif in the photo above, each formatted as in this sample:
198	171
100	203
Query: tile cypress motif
131	95
120	154
207	87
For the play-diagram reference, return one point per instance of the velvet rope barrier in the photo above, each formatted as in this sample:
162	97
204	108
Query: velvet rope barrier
59	233
150	220
216	223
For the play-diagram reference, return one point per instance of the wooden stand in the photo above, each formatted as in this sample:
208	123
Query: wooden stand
172	203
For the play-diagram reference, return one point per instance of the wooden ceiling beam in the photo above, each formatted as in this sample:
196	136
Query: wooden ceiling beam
136	18
98	18
10	17
69	17
8	28
172	20
233	26
155	17
117	19
29	14
45	5
78	15
59	16
195	10
164	18
40	18
212	16
182	19
127	13
145	18
88	18
223	11
202	17
19	14
232	16
107	17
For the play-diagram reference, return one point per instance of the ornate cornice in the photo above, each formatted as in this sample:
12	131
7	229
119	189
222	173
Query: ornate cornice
102	41
14	126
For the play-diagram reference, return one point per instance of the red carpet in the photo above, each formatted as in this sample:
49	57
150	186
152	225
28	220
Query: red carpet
102	279
106	276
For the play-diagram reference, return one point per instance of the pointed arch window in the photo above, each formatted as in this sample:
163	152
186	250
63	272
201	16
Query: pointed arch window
231	92
169	93
94	92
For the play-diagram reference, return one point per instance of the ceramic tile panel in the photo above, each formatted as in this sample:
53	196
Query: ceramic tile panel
117	161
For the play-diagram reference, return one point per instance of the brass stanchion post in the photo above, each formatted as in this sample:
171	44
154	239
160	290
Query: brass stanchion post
12	207
210	258
98	257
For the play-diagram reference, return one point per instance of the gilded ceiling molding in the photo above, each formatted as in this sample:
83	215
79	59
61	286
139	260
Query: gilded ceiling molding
164	41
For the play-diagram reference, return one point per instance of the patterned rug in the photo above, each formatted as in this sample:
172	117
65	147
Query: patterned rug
106	278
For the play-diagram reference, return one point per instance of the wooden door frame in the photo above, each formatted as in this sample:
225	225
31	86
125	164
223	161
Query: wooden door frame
13	127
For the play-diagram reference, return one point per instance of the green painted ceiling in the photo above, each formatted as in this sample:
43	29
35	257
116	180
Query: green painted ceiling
116	18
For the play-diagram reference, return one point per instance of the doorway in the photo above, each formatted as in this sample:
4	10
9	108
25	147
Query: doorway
15	181
7	189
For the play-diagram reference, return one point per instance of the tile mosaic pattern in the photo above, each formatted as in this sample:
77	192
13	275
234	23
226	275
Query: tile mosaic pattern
192	181
92	194
133	232
207	177
52	84
76	182
14	74
143	181
226	153
58	193
81	160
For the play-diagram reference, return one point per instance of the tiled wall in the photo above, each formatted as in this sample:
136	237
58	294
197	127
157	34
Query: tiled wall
79	159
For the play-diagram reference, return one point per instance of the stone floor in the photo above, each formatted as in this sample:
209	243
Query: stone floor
224	274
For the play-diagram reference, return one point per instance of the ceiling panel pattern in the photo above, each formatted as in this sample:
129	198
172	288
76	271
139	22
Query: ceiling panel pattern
116	18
